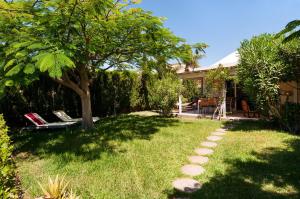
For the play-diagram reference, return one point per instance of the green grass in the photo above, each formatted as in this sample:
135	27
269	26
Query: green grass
133	156
253	161
125	157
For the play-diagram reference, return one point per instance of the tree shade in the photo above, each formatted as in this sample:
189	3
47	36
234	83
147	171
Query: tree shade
72	40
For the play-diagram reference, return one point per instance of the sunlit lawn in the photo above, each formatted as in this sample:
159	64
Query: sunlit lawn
253	161
133	156
125	157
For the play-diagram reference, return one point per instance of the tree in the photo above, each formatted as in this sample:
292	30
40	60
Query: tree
260	70
71	40
191	89
191	54
291	31
164	93
289	53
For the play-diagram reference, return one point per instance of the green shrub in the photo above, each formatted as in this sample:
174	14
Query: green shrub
7	174
139	99
291	117
164	93
191	89
111	93
260	71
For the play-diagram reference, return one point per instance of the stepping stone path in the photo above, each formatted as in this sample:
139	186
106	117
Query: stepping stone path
204	151
198	159
218	133
187	185
192	170
214	138
209	144
221	130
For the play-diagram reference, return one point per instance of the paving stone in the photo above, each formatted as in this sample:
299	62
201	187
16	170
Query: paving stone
218	133
209	144
221	130
192	170
198	159
186	185
204	151
214	138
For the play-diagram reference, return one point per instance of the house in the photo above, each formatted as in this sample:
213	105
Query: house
289	91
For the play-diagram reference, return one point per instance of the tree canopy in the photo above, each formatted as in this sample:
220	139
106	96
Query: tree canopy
71	40
291	30
265	62
260	70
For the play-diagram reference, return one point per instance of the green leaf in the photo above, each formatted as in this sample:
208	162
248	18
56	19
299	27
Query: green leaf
21	54
35	46
53	63
44	61
9	63
9	83
66	61
20	44
29	69
15	70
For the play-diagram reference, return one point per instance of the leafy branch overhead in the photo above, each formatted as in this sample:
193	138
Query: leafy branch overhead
72	40
291	31
54	35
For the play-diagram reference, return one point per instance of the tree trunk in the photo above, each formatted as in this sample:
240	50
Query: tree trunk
86	107
83	91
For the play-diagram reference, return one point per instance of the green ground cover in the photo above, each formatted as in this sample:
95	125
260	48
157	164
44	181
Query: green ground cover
134	156
124	157
253	161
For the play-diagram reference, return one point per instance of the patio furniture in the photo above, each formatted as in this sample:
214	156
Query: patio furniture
203	105
247	111
207	104
66	118
40	123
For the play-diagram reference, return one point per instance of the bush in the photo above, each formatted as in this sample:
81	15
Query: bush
164	93
7	167
191	89
139	99
260	71
291	117
111	93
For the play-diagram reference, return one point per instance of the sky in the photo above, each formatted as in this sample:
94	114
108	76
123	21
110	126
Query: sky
223	24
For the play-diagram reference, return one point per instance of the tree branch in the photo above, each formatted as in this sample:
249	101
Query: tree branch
69	20
65	81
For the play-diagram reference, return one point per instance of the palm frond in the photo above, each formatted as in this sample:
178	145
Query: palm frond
290	28
292	36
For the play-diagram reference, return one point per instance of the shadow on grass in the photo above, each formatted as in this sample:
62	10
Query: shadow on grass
77	145
274	173
250	125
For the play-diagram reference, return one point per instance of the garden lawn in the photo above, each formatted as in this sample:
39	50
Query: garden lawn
138	157
253	161
128	156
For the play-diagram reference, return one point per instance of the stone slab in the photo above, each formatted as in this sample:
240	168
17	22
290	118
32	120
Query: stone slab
186	185
218	133
209	144
198	159
204	151
221	130
192	170
214	138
